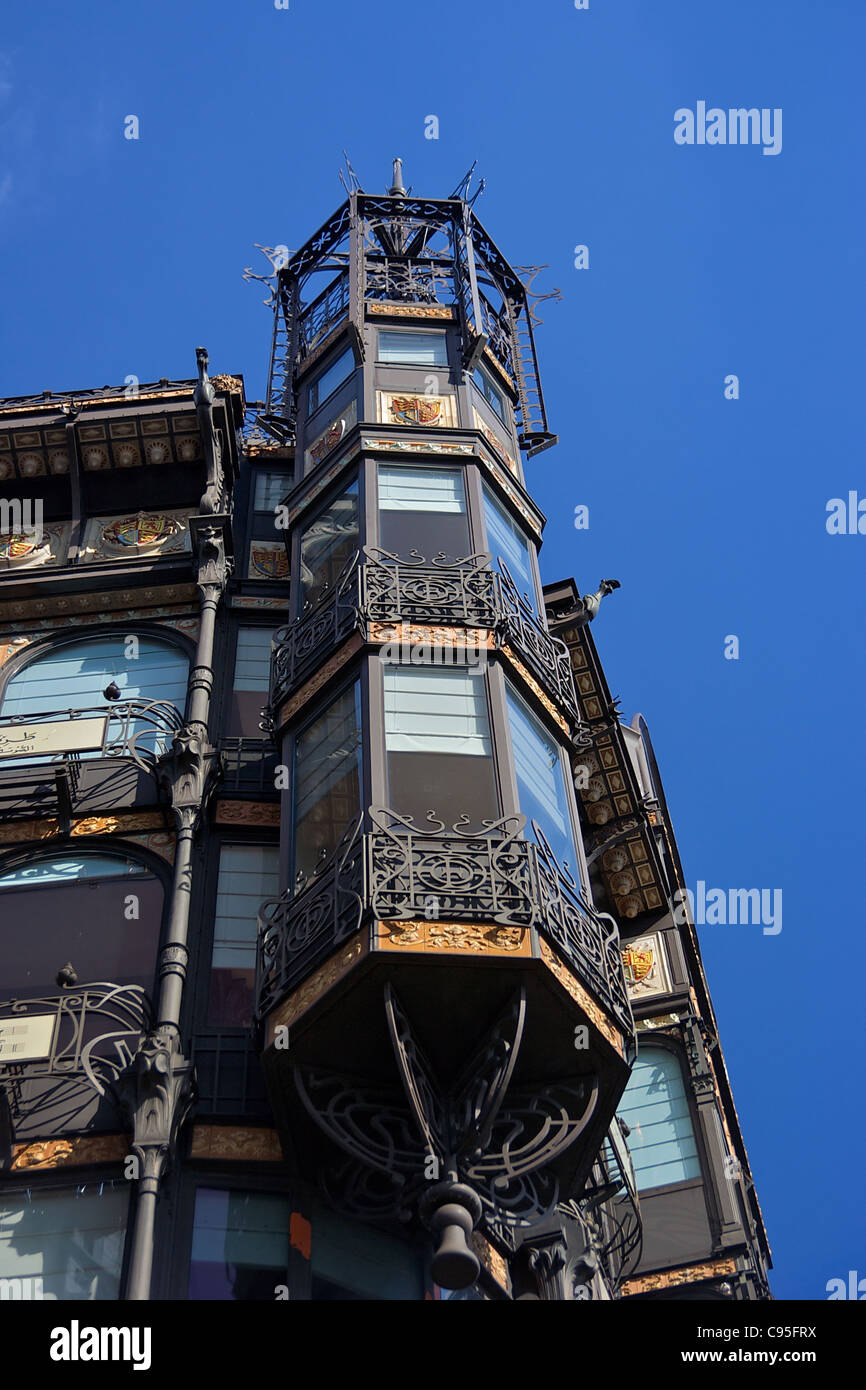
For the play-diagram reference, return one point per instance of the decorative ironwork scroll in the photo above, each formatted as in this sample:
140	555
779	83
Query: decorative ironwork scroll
378	587
297	931
486	1145
94	1034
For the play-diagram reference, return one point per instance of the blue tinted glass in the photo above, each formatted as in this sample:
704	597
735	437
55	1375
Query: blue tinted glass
541	781
656	1109
506	541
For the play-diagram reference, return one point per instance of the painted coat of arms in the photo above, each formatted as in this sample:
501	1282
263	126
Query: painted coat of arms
137	532
416	410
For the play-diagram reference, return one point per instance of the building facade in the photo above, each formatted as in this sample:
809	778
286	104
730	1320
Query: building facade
343	954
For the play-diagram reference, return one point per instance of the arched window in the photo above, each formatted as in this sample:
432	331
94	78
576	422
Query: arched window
656	1109
100	912
72	675
75	675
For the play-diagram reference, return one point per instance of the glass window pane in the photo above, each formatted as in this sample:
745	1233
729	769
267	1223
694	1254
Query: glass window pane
423	510
248	875
506	542
240	1245
75	907
428	711
333	376
270	489
326	546
74	675
253	658
491	393
70	1240
351	1260
411	348
437	738
327	782
540	780
656	1109
421	490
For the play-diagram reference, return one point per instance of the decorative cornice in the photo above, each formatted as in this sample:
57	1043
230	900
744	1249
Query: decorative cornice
472	938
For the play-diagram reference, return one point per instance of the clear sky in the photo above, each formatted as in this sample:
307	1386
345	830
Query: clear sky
120	256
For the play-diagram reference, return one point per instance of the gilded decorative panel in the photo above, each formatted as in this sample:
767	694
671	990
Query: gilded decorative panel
65	1153
472	938
327	441
645	966
593	1011
127	535
244	1143
268	560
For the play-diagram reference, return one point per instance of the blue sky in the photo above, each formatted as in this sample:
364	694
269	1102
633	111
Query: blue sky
121	256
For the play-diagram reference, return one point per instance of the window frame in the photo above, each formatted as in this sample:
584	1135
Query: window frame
439	334
41	646
352	681
108	845
356	477
492	387
677	1053
204	966
578	869
485	488
52	1181
314	399
466	481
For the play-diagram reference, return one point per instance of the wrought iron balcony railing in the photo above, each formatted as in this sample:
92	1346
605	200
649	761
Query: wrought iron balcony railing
139	729
610	1208
46	754
395	870
68	1047
376	587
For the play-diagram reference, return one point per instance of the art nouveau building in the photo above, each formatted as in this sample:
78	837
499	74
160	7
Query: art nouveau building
337	951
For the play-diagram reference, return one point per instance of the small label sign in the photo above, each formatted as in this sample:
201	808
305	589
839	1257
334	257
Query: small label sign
26	1038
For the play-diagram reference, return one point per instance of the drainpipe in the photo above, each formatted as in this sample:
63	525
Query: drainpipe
160	1084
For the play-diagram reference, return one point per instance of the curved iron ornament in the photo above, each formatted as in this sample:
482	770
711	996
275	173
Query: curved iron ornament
298	930
481	1133
491	874
73	1057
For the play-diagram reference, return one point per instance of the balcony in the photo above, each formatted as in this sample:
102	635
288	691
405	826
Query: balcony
376	590
61	1055
58	762
396	872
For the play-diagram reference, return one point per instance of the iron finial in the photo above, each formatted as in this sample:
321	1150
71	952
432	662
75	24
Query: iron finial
398	178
